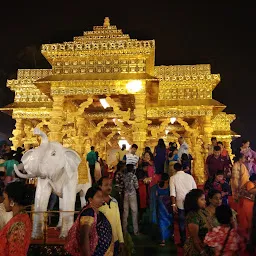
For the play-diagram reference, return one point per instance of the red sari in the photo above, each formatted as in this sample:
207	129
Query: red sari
15	236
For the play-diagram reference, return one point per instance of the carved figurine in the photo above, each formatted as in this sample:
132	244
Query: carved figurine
56	168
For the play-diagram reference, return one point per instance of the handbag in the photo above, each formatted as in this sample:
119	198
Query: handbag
225	242
72	245
244	193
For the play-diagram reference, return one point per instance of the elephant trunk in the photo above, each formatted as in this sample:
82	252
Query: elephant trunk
21	175
44	137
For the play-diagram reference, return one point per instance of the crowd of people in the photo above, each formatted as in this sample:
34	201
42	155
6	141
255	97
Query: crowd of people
218	218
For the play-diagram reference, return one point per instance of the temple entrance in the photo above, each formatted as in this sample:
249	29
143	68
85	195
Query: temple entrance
104	87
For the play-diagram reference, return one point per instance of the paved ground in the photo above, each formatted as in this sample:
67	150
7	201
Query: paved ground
145	246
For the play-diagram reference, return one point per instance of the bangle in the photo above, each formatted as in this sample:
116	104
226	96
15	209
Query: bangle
173	205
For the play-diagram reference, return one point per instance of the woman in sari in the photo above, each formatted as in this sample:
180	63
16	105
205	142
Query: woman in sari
214	199
162	210
246	203
93	229
252	241
16	234
197	224
240	176
160	157
4	216
250	156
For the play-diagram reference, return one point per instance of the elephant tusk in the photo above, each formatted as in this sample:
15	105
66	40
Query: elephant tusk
19	174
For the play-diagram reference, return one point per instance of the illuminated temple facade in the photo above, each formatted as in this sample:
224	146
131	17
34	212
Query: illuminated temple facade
105	64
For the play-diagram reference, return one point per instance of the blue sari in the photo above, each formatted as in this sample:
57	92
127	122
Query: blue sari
161	212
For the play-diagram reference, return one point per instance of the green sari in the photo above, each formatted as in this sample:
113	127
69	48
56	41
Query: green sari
200	218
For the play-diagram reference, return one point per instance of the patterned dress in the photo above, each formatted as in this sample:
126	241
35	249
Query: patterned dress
105	245
216	239
15	236
199	218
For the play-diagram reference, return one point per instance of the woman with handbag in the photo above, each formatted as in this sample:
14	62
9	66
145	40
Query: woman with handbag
225	239
91	234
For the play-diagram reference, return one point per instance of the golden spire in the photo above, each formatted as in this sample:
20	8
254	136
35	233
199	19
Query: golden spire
106	22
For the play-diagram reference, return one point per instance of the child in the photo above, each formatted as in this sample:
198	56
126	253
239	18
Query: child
220	184
173	155
164	209
130	198
224	239
148	159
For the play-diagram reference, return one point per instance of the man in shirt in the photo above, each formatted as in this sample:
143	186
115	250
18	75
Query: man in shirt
211	147
132	158
111	211
91	158
183	147
121	153
130	198
180	184
215	162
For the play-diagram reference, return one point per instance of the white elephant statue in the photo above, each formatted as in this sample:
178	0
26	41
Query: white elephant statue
56	168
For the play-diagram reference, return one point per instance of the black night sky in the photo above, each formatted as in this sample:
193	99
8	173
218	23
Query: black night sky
219	34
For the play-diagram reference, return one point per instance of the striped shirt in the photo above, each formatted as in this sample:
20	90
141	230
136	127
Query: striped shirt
131	159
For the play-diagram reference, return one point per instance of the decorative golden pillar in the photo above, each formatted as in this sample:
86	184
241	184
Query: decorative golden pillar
207	130
18	134
79	140
140	123
56	121
227	145
198	159
28	139
197	150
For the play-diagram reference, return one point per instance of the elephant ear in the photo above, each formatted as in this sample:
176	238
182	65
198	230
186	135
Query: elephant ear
72	162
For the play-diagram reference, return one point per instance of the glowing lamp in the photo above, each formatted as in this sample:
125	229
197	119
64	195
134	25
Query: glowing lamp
122	142
173	120
104	103
134	86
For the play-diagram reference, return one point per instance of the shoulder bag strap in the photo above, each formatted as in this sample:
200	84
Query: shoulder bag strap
225	242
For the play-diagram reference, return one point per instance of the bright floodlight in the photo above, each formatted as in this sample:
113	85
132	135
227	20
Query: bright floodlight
104	103
122	142
134	86
173	120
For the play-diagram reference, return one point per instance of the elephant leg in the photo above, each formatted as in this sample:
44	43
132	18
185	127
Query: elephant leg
82	199
69	199
83	192
61	214
43	192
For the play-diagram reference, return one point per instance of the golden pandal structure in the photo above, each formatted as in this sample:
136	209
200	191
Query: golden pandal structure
104	87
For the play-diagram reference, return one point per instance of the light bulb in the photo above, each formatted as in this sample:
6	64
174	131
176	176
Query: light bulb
173	120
